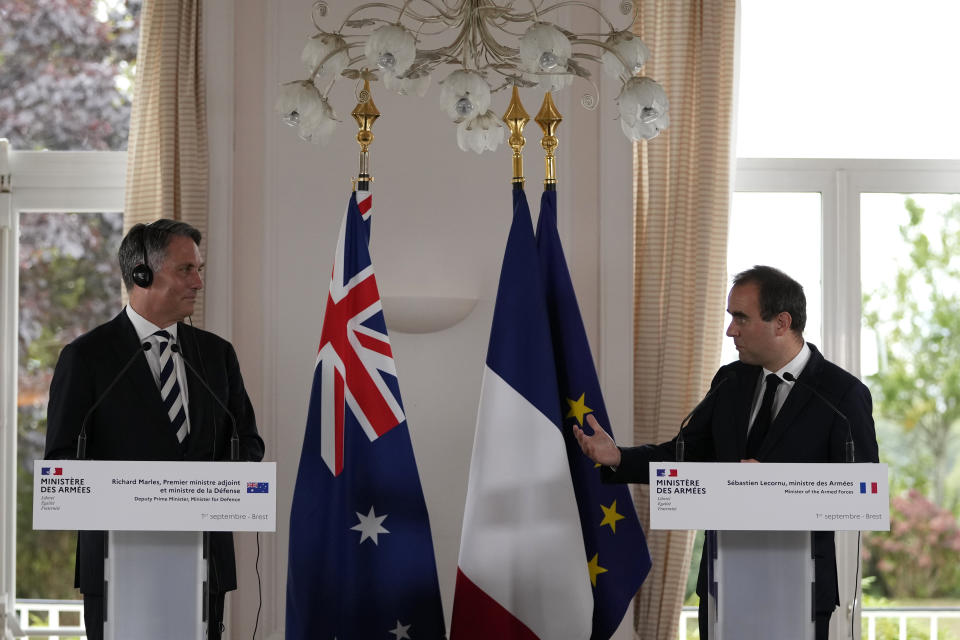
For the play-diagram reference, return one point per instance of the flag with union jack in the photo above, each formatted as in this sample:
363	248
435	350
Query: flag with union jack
361	561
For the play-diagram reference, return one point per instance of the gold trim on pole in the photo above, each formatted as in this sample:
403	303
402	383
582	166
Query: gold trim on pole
365	113
549	119
516	118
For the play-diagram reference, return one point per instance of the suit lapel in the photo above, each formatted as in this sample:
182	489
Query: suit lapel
744	403
198	400
139	375
799	395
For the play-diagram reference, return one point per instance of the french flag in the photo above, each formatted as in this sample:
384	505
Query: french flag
522	573
864	488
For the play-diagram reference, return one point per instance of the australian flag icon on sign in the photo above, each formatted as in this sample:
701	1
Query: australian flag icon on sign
258	487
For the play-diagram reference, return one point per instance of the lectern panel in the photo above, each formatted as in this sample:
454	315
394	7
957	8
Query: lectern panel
155	585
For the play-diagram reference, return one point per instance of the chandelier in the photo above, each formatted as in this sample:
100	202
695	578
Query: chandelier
490	45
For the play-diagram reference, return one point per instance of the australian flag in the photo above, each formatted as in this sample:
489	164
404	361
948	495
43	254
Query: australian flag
616	548
361	561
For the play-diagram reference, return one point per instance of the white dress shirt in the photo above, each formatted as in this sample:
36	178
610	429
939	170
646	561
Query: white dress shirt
145	330
794	367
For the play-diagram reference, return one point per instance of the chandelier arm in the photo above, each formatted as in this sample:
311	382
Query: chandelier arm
316	69
536	12
500	52
445	13
577	3
505	30
588	101
319	8
364	7
601	45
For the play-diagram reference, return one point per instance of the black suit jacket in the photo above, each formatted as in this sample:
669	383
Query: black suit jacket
805	430
131	423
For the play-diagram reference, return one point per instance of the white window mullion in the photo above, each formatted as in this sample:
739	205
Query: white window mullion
841	273
8	408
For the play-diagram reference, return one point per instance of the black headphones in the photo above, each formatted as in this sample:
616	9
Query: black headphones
142	273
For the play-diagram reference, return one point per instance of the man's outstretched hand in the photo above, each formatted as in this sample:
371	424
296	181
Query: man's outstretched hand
599	447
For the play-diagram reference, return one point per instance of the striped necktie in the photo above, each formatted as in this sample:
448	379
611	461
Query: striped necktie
170	388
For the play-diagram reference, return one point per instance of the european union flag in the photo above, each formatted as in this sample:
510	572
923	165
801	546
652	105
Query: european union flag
616	547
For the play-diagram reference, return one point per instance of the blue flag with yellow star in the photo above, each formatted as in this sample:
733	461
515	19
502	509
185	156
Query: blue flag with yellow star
616	547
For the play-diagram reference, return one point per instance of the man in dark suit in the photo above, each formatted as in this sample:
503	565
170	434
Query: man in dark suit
158	409
757	415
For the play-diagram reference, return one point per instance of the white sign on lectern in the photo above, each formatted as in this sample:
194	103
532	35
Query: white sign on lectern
154	495
769	496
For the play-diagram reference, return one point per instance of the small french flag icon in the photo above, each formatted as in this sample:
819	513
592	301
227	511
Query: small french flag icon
863	487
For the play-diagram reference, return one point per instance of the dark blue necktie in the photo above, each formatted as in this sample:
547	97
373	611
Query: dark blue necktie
761	424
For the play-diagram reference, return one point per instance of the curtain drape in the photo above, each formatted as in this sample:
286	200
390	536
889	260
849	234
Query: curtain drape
682	189
167	161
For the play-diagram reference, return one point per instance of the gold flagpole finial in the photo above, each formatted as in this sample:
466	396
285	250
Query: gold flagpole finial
516	118
549	119
365	113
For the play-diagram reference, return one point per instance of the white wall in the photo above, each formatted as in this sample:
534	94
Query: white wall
441	219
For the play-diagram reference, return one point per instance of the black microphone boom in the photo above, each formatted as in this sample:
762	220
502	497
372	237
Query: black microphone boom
681	445
848	447
82	438
234	437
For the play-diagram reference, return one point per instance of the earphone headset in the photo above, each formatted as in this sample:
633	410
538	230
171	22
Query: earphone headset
142	273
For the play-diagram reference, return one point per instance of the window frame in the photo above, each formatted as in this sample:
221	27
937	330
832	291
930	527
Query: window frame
841	182
74	181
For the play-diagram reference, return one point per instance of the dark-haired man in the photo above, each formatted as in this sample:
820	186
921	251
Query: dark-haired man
158	409
758	416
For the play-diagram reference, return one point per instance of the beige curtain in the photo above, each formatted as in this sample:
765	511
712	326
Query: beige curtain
167	170
682	190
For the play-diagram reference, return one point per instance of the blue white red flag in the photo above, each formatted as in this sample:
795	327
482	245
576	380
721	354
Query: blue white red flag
361	561
521	572
616	548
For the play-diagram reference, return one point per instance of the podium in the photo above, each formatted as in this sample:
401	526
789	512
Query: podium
155	515
155	585
759	548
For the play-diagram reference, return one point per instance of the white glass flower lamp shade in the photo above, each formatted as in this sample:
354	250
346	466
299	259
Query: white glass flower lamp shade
483	133
288	101
327	54
544	52
631	49
643	107
464	95
391	48
301	105
317	121
407	86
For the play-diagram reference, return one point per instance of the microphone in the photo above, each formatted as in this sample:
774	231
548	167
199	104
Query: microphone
848	446
82	438
681	445
234	438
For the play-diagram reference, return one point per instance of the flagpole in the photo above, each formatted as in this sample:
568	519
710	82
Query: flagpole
365	113
516	118
549	119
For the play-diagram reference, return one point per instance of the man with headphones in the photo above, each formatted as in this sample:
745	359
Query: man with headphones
159	408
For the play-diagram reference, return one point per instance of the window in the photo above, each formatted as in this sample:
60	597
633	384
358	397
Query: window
845	120
62	210
67	71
